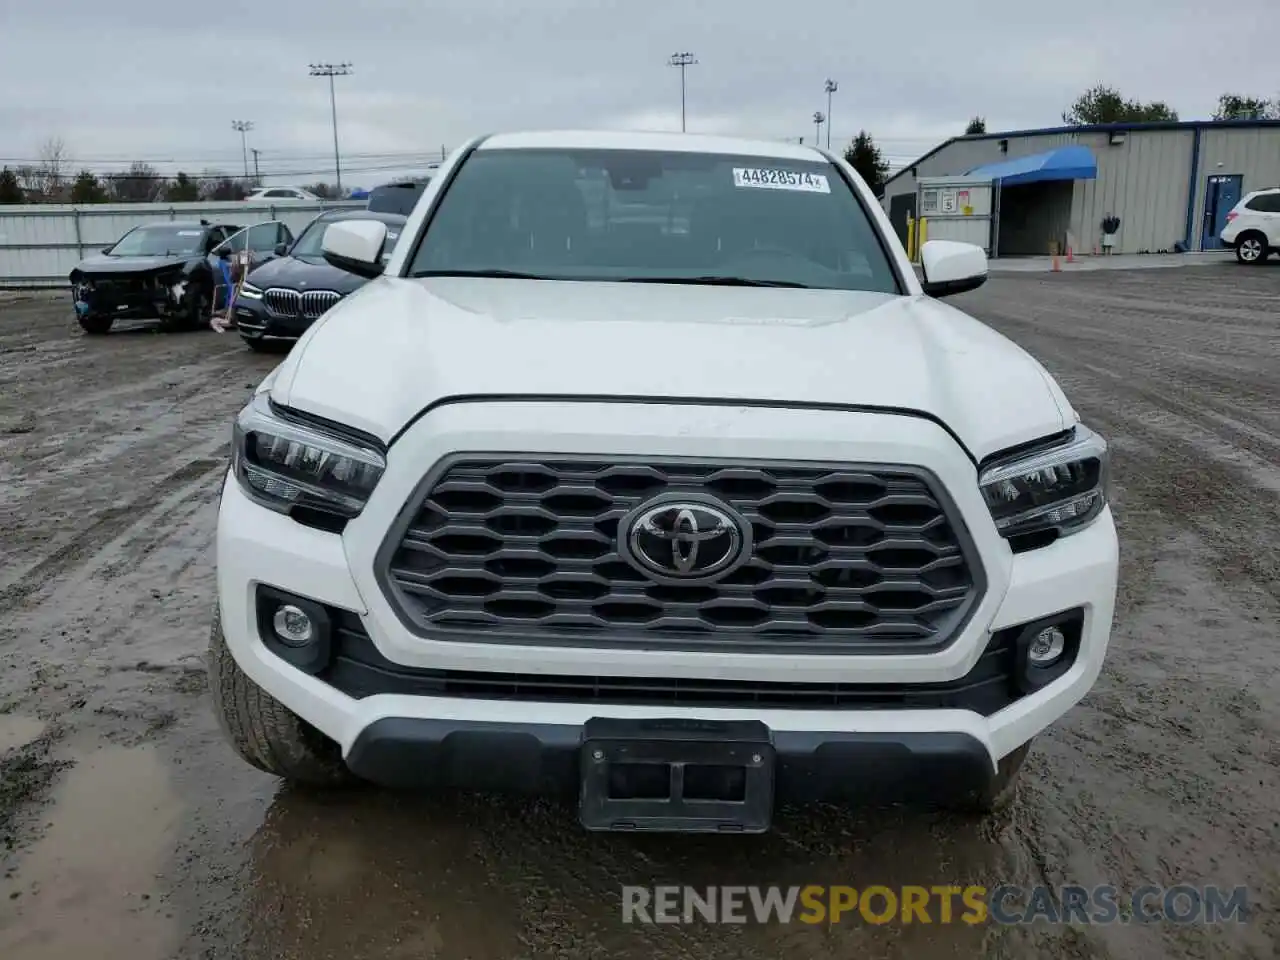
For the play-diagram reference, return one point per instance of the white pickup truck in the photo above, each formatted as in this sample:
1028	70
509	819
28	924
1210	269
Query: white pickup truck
680	512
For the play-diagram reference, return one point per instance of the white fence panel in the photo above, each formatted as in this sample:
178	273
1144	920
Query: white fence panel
40	244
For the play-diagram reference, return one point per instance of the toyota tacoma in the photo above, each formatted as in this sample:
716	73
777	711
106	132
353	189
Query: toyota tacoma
646	471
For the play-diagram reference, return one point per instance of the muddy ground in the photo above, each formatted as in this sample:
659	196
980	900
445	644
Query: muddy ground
128	831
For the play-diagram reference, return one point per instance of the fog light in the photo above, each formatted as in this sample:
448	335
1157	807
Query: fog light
295	628
1045	649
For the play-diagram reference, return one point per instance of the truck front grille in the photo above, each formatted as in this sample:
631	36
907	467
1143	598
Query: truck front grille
844	558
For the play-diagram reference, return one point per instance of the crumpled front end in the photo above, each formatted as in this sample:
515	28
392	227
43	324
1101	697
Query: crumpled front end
148	295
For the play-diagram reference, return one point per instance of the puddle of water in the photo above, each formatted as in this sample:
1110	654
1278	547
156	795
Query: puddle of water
16	731
89	886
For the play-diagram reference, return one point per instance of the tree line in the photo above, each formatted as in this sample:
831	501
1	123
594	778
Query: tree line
141	183
49	180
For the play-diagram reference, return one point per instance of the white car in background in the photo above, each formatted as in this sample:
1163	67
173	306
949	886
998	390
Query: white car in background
673	520
1253	226
281	193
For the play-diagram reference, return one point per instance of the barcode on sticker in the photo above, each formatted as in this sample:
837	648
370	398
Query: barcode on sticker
771	179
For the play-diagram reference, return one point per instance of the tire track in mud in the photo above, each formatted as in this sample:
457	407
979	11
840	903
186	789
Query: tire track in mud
105	527
1185	707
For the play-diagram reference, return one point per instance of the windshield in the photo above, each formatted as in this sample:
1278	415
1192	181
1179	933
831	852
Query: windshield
308	245
161	240
648	216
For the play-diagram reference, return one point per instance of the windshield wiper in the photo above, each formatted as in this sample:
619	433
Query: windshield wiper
717	281
496	274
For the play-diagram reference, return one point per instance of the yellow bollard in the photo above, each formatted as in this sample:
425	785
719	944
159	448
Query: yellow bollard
911	239
923	238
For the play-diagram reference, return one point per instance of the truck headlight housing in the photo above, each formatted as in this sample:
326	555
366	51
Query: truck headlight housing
1038	496
284	463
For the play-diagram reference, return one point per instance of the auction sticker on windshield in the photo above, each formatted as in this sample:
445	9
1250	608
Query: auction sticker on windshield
770	179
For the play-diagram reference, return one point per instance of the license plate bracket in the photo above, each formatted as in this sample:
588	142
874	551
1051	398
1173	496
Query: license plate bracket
683	776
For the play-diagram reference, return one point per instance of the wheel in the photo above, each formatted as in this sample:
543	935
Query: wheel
196	310
95	326
262	730
1252	248
1000	793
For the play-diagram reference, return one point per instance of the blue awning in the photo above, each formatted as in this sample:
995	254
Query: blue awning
1065	163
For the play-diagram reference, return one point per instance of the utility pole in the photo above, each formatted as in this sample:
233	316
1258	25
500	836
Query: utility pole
257	177
831	87
818	117
332	70
244	126
683	61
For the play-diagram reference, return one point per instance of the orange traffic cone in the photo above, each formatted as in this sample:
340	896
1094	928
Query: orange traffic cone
1070	258
1057	267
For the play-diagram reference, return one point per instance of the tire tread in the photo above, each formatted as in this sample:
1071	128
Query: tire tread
262	730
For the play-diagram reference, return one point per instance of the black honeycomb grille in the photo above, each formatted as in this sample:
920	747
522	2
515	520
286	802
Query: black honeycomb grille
844	559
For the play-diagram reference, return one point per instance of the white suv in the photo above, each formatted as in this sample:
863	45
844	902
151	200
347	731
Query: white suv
1253	226
678	514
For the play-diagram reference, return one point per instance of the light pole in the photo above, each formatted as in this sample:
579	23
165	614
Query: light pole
244	126
831	87
818	117
683	61
257	177
332	70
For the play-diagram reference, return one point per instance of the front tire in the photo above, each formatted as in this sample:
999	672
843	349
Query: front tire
96	326
196	311
1251	249
262	730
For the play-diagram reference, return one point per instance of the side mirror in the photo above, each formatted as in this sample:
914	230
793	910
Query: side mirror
950	267
222	251
355	246
281	249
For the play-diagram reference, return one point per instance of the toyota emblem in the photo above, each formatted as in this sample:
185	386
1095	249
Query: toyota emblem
684	539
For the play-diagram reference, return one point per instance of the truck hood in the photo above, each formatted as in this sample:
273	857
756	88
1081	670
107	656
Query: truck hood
396	346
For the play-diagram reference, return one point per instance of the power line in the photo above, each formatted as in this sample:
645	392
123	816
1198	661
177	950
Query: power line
332	70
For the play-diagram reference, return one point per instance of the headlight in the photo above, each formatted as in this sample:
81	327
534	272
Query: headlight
1057	490
282	463
249	291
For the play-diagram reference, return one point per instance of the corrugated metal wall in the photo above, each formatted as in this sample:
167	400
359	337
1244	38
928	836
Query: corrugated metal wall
1253	153
1144	182
40	244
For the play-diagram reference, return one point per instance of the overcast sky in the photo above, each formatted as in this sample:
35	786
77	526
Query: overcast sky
163	81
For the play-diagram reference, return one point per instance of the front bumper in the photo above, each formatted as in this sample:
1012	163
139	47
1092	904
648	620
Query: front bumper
544	759
128	297
401	737
255	322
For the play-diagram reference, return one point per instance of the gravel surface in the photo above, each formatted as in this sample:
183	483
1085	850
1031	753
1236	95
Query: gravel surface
128	831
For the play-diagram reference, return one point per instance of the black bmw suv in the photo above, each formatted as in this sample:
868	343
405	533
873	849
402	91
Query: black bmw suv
281	298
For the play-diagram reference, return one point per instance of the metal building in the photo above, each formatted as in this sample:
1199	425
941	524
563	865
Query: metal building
1170	184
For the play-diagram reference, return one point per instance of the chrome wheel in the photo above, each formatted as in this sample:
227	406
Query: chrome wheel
1250	250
